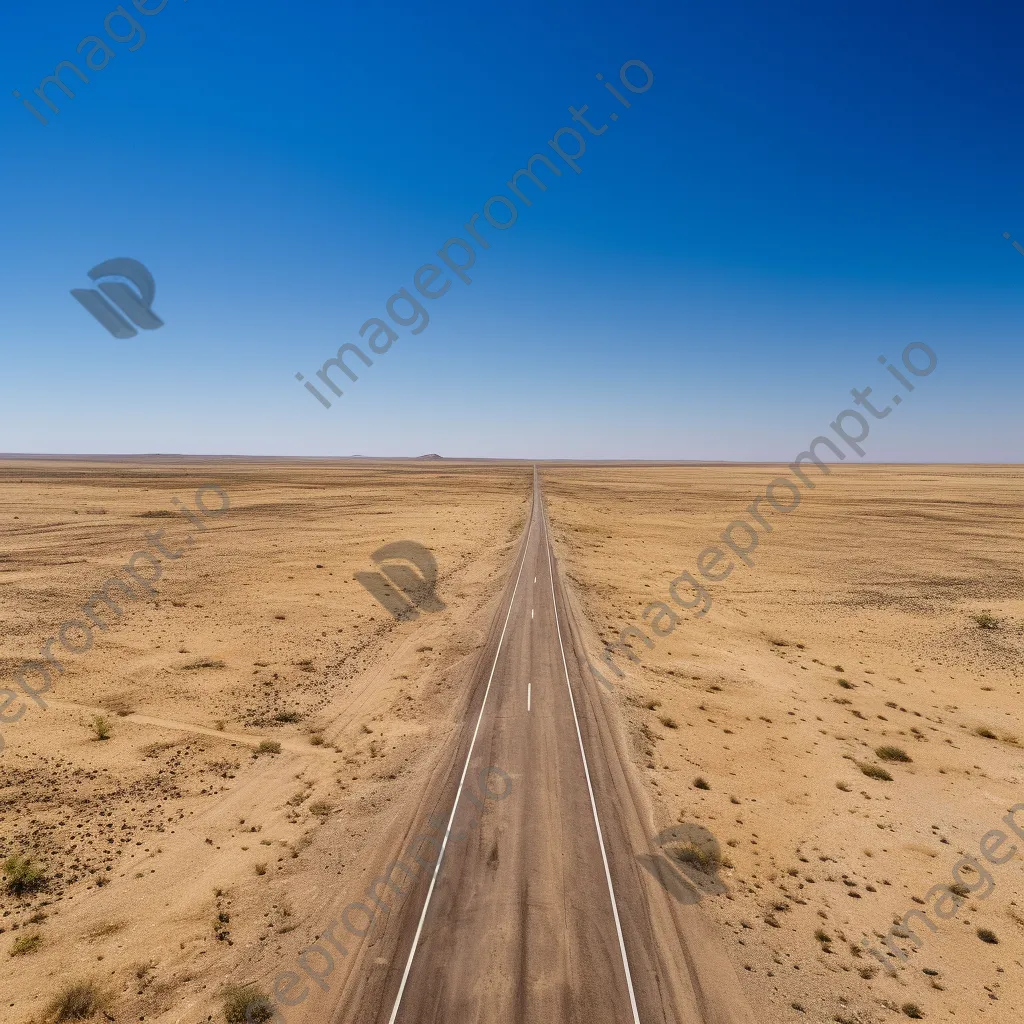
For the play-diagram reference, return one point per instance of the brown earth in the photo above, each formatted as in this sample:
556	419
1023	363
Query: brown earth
875	581
176	861
147	838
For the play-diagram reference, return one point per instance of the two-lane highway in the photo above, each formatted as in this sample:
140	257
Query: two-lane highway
537	911
521	925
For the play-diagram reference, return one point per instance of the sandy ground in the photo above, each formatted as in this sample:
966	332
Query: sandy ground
874	581
176	861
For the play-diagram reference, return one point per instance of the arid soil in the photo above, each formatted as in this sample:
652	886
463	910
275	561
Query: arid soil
176	859
855	630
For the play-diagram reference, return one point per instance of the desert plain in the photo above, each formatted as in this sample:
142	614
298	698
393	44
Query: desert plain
835	734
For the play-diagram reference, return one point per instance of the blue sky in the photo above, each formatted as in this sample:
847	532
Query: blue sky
805	186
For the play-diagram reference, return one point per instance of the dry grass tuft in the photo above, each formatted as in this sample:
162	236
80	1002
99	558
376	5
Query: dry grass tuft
246	1004
24	944
78	1000
893	754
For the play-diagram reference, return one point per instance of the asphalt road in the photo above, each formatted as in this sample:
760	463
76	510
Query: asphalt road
546	904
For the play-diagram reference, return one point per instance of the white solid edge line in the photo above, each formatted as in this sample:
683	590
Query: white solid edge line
586	771
529	692
455	806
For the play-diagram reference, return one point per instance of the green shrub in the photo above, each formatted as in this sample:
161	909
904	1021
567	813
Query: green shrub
101	727
267	747
701	783
913	1010
986	620
987	935
22	875
872	771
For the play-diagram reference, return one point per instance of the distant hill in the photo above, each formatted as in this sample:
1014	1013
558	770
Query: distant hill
429	456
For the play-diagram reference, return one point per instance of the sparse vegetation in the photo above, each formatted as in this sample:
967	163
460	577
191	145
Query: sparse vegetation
152	749
220	925
78	1000
986	620
121	706
668	721
101	727
691	853
23	875
913	1010
701	783
845	787
317	739
203	663
986	732
987	935
105	928
846	684
261	868
247	1004
267	747
24	944
893	754
287	716
872	771
321	808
